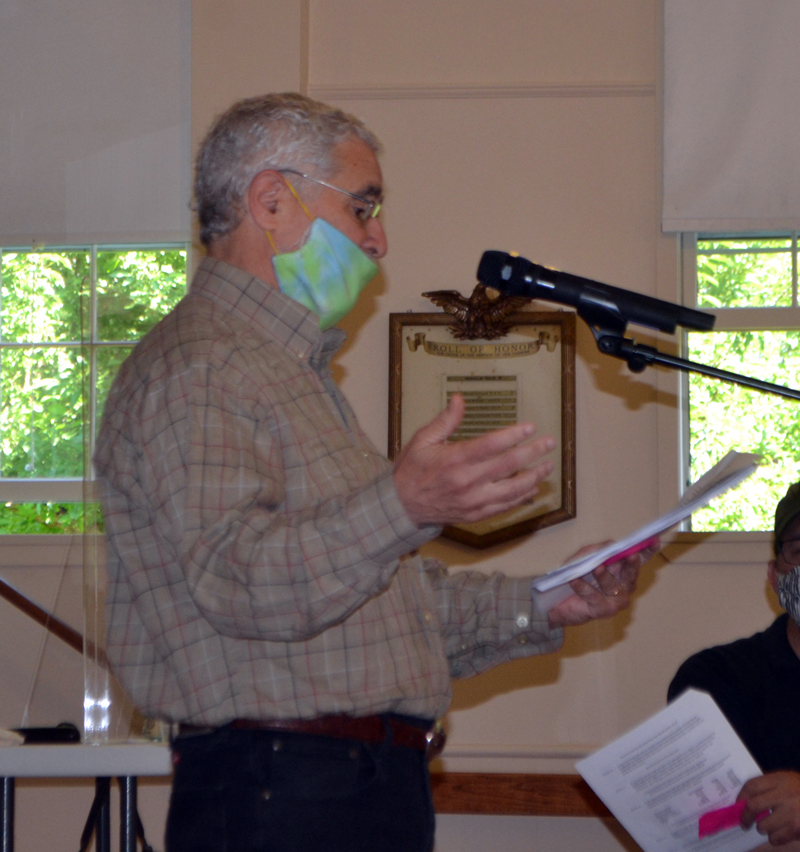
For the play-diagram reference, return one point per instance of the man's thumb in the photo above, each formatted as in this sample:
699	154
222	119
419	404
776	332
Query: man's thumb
445	423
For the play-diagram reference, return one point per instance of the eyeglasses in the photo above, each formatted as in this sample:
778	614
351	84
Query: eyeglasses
790	551
370	209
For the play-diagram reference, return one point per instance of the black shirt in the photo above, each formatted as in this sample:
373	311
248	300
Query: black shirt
756	683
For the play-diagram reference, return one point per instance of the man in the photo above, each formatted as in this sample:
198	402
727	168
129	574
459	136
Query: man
265	591
756	683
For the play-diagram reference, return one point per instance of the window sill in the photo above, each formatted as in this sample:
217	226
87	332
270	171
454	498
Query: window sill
731	548
41	551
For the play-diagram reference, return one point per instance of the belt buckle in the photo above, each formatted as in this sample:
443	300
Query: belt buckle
435	738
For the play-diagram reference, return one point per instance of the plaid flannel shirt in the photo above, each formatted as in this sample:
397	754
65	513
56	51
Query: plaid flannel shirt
261	564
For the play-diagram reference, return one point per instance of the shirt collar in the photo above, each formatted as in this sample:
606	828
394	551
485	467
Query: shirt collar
267	310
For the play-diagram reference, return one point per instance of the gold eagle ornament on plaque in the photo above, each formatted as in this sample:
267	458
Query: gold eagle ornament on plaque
483	316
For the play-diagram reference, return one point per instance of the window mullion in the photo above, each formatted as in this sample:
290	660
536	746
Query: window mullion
88	473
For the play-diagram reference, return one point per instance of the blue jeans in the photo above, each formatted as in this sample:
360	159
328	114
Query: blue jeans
261	791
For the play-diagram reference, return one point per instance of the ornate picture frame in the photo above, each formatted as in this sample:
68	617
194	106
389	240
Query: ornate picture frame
528	374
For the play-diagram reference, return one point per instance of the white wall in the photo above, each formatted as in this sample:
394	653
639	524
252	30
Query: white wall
510	124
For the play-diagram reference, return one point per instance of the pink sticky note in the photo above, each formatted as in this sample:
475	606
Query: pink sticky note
720	819
723	818
618	557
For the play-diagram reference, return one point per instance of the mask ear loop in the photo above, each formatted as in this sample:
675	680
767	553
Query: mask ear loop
300	202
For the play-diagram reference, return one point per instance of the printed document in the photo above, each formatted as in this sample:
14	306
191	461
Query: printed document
726	473
661	777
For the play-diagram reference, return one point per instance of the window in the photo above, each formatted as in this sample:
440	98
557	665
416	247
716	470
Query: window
68	319
750	283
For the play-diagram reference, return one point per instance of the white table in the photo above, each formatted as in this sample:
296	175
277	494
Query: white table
101	762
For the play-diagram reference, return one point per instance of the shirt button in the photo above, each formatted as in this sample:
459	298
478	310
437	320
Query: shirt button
522	621
277	745
427	617
265	794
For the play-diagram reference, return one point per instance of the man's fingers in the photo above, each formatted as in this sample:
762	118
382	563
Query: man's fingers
586	604
605	593
773	801
608	583
501	495
494	444
520	461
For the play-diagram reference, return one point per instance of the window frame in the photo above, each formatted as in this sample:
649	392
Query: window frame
783	318
739	319
84	488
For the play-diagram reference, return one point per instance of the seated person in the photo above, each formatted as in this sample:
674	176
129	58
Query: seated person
756	683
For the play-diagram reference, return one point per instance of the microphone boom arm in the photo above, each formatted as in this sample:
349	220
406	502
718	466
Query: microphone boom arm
638	356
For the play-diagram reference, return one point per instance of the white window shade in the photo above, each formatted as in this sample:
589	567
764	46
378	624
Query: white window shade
731	123
94	120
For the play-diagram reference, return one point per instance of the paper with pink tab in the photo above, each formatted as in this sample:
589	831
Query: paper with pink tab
664	777
552	588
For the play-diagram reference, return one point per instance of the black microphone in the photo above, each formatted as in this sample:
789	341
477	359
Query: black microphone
596	302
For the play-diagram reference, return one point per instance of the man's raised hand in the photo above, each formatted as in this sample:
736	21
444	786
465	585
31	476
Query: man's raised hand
441	483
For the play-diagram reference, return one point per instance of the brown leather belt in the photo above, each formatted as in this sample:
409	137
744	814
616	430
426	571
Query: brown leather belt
367	729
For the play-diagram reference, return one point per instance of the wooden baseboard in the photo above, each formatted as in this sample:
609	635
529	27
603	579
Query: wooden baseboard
513	794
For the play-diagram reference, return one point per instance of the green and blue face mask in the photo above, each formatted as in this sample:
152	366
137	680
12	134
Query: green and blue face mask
326	274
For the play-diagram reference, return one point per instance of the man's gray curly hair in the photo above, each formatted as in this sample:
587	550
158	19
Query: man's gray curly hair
275	131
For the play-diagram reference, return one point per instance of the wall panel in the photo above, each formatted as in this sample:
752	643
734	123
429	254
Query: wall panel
436	42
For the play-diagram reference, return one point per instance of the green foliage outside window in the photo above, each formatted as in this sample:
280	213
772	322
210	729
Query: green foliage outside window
744	273
46	518
723	416
68	319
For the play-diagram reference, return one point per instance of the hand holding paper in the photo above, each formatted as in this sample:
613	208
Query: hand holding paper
773	802
552	588
661	777
602	593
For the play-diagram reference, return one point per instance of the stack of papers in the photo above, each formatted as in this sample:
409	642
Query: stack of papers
726	473
660	778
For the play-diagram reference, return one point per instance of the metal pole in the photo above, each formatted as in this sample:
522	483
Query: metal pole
103	830
7	815
127	814
640	356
